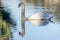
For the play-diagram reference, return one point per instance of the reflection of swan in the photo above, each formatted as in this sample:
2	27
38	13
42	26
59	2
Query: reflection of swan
37	19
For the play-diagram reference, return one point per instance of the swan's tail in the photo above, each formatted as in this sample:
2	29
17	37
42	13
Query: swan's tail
50	19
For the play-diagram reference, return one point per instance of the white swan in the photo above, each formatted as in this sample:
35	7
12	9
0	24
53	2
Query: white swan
37	19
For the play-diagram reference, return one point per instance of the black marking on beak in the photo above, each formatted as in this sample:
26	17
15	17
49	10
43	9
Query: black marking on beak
20	4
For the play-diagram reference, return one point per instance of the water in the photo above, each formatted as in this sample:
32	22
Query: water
48	32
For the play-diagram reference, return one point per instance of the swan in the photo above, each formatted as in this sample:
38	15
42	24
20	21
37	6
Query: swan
23	18
37	19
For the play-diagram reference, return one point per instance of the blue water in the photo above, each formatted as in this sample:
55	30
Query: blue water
48	32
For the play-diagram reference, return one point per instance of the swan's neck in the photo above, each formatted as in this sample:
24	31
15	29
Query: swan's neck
23	10
23	19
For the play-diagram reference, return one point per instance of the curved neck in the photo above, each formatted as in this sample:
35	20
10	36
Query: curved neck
23	10
22	33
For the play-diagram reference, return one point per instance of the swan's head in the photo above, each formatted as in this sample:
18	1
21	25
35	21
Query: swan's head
21	4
